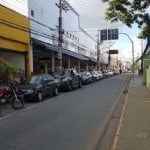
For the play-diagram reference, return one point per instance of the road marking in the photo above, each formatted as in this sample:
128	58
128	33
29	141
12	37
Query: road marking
116	138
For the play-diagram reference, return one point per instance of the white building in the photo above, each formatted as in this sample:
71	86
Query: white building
79	47
44	30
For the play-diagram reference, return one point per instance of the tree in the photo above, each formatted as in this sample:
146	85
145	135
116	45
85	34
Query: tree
7	69
145	32
128	12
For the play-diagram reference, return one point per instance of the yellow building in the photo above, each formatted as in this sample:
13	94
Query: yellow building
15	39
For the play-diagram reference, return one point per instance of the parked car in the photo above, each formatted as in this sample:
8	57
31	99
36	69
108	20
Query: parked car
86	77
110	72
100	74
116	72
95	75
39	85
68	79
105	73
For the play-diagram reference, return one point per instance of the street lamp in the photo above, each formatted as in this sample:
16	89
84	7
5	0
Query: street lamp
132	52
109	57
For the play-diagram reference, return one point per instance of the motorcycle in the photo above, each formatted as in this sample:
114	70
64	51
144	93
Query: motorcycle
9	93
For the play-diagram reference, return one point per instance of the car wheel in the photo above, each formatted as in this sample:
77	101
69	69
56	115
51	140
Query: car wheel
40	96
56	91
70	87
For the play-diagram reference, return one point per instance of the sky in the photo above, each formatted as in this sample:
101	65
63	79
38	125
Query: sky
92	13
18	5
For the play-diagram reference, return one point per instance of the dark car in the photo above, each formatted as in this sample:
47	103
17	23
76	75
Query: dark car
68	79
86	77
40	85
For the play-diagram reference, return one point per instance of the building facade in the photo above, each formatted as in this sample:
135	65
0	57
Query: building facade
29	37
79	47
14	37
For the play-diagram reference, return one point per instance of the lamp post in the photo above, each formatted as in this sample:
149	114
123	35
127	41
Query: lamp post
109	56
132	53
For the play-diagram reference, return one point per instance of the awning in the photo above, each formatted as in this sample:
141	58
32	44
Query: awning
47	46
51	47
74	54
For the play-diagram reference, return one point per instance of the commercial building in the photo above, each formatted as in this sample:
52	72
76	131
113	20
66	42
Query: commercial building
79	47
14	37
30	34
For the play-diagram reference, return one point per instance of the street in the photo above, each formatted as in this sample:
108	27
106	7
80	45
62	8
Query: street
70	121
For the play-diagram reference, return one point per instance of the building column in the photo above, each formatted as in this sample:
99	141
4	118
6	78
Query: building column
68	61
79	66
92	66
45	68
29	60
53	62
87	66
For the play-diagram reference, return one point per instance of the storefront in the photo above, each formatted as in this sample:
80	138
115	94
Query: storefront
15	39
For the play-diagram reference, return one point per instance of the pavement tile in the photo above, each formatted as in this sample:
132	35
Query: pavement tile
135	131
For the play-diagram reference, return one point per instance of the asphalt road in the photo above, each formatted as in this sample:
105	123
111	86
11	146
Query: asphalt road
71	121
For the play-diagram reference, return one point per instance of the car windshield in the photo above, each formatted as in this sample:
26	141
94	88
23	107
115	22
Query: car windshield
93	72
35	79
83	73
61	73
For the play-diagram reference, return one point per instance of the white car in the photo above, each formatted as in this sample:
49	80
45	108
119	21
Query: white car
100	74
110	72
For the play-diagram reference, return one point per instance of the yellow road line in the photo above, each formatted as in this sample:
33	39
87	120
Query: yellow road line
116	138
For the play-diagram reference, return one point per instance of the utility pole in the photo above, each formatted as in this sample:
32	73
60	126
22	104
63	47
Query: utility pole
109	57
98	49
141	71
61	7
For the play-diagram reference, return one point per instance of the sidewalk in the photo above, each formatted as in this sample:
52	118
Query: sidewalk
135	130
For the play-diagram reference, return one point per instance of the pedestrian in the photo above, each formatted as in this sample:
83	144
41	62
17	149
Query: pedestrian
120	71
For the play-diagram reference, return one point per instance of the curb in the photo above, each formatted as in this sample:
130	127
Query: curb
107	121
116	137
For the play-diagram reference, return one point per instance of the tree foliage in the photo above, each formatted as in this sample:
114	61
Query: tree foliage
7	69
128	12
145	32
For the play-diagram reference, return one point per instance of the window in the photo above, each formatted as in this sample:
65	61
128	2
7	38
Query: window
32	13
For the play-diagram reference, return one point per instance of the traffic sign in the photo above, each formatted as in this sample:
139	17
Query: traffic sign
112	34
103	34
113	51
109	34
